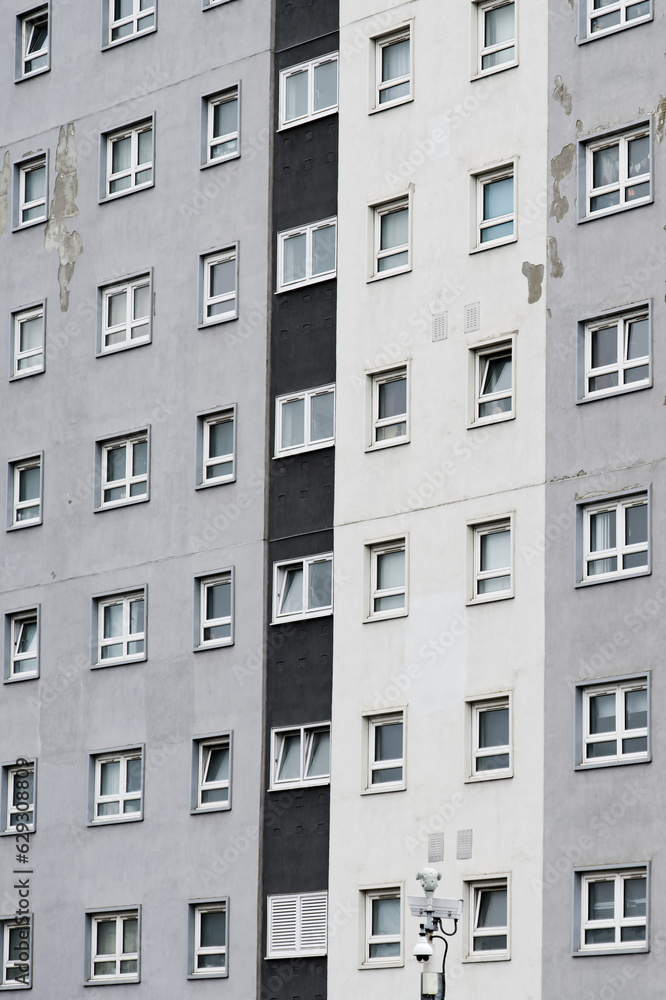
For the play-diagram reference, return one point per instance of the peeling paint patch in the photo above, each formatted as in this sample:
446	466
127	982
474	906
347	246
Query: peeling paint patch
560	166
556	265
5	175
63	206
561	94
534	275
661	118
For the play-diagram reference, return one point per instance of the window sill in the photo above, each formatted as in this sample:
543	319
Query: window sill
209	975
275	956
305	121
391	104
105	48
294	285
213	3
35	72
490	598
329	443
205	324
300	784
488	776
609	393
380	275
25	524
13	833
401	787
482	74
123	662
123	194
216	482
325	612
489	421
218	644
110	981
202	810
205	166
119	504
123	347
610	951
492	244
614	30
29	225
136	818
21	677
594	765
474	959
26	374
386	616
398	963
614	579
616	210
392	443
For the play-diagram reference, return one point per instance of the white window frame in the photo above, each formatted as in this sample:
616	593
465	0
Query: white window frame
24	27
307	231
206	300
619	876
10	774
202	744
132	19
370	895
381	42
131	132
127	285
480	180
197	908
279	576
97	917
622	320
306	734
310	68
21	170
209	140
15	469
481	49
619	688
477	530
15	621
20	316
374	551
378	378
371	722
122	796
619	505
125	598
309	444
299	940
620	138
377	212
204	582
587	15
474	888
476	706
8	923
130	479
204	461
480	355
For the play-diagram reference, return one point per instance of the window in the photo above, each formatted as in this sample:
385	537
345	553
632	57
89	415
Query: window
602	17
306	255
303	588
126	311
220	127
391	252
612	723
492	560
26	492
18	796
114	946
617	354
33	42
305	420
212	769
297	924
390	408
309	90
31	186
489	922
129	159
23	642
16	952
495	208
28	341
388	579
208	938
493	381
215	610
393	62
301	756
617	171
129	18
383	927
218	274
613	910
121	628
615	539
386	752
491	739
124	465
497	36
216	447
118	778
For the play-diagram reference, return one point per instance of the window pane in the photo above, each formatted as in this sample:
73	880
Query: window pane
323	250
145	145
602	714
320	585
27	636
395	60
494	407
322	408
390	570
136	617
495	550
634	560
638	10
106	937
603	935
35	184
635	897
31	334
213	929
639	156
130	936
141	302
492	908
121	157
218	601
394	229
17	944
217	764
122	8
319	755
636	524
220	438
498	198
602	531
495	762
497	377
499	24
394	93
290	761
211	795
225	118
386	775
602	900
385	916
29	484
297	95
223	278
605	201
635	709
605	166
110	777
20	803
326	86
388	741
494	727
140	462
134	775
389	950
392	398
38	33
113	620
597	566
497	58
632	934
608	748
604	347
294	258
490	942
115	464
638	339
496	232
293	423
636	745
292	595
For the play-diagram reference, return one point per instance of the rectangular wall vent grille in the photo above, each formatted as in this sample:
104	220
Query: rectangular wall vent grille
472	317
464	850
439	327
436	847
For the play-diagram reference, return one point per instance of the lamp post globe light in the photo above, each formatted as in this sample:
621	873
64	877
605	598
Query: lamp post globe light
434	909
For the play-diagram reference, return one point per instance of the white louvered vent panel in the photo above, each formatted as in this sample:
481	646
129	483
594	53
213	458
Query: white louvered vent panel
464	845
439	327
314	917
282	921
472	317
435	847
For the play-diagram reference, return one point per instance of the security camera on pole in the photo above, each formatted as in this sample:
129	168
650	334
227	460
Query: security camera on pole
435	910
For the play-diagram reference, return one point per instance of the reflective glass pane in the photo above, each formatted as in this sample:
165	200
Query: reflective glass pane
135	647
605	166
600	202
211	795
141	302
110	777
213	929
497	375
294	258
214	632
144	176
638	744
106	937
293	423
18	944
220	438
38	33
388	950
121	156
497	58
223	278
495	550
136	617
638	374
218	601
602	531
292	594
35	184
27	636
290	759
394	93
494	407
638	191
389	603
392	398
494	584
602	714
108	809
323	250
123	32
29	484
224	149
601	935
494	762
386	774
490	942
219	470
115	649
130	936
146	4
145	144
134	775
31	332
496	232
494	728
211	961
635	709
600	382
597	566
318	765
604	347
638	10
638	339
322	408
498	198
394	229
225	118
122	8
326	86
634	560
388	741
116	312
395	60
636	524
639	156
115	464
216	764
320	585
632	934
21	802
393	261
607	748
390	570
385	916
296	95
500	24
635	890
492	908
391	431
127	967
601	900
113	620
124	184
140	458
